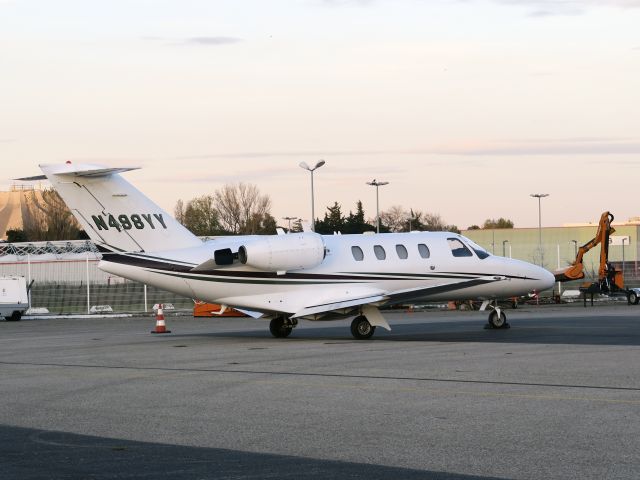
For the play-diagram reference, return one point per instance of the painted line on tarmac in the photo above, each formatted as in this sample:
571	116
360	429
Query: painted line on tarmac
453	392
323	375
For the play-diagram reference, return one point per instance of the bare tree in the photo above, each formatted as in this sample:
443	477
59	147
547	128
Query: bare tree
46	217
178	211
241	208
395	218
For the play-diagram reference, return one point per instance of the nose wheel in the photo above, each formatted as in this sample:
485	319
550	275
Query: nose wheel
497	319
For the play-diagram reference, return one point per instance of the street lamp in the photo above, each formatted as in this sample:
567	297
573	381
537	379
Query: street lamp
377	184
540	196
504	253
313	213
289	220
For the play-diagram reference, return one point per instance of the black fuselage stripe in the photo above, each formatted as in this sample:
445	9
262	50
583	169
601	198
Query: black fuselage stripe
235	276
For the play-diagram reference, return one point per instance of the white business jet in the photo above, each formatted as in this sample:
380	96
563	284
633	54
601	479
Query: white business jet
285	277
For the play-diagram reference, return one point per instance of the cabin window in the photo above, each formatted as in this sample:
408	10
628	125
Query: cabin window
401	250
458	249
423	250
357	253
379	251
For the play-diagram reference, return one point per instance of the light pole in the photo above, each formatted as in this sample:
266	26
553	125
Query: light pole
313	213
289	220
504	253
540	196
377	184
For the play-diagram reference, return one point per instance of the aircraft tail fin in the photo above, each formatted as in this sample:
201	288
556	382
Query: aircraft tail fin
116	215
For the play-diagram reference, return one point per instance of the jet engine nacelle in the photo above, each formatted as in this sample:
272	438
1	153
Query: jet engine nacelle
280	253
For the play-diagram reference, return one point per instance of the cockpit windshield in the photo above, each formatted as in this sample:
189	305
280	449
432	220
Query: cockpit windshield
480	252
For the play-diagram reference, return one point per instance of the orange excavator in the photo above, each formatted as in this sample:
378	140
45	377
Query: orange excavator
610	280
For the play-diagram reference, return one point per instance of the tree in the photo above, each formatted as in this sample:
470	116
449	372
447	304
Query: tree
395	218
399	220
47	218
333	221
16	235
199	216
235	209
474	227
355	222
499	223
178	212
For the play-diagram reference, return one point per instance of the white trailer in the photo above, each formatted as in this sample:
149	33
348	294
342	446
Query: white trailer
14	297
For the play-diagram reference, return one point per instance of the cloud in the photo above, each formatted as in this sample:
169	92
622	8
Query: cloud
557	147
512	147
211	41
546	8
203	41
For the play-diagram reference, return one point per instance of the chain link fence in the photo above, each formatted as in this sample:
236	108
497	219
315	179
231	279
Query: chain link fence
66	280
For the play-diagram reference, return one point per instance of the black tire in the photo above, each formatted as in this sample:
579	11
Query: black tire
279	329
632	298
497	321
14	317
361	329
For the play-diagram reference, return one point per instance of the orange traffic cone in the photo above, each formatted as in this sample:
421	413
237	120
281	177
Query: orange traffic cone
160	326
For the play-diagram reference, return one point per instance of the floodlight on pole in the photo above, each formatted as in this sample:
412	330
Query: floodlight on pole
504	253
539	196
307	167
377	184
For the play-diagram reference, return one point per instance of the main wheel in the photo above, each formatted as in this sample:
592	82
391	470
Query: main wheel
15	316
279	328
632	298
361	328
497	321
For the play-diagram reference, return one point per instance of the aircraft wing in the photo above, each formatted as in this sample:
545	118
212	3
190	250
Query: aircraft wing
340	303
377	296
422	292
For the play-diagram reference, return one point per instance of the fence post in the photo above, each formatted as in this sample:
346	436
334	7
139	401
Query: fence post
559	284
29	277
88	289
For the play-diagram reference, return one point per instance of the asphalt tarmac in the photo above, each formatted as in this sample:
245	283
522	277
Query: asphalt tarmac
439	397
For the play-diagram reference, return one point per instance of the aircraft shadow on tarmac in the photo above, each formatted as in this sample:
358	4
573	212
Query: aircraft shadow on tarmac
33	454
608	330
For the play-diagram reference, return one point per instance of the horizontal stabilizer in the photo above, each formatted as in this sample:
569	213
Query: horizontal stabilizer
32	179
84	170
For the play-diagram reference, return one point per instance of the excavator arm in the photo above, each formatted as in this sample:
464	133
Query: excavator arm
575	271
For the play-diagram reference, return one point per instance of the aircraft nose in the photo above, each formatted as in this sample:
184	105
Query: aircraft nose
545	278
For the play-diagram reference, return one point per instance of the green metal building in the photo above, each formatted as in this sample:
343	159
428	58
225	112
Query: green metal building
560	245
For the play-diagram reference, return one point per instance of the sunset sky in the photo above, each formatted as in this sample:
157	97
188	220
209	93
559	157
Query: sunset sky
464	106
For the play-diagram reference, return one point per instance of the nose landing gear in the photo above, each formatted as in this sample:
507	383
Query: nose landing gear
497	318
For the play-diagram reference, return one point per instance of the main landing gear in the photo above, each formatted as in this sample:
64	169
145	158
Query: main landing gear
281	327
361	329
